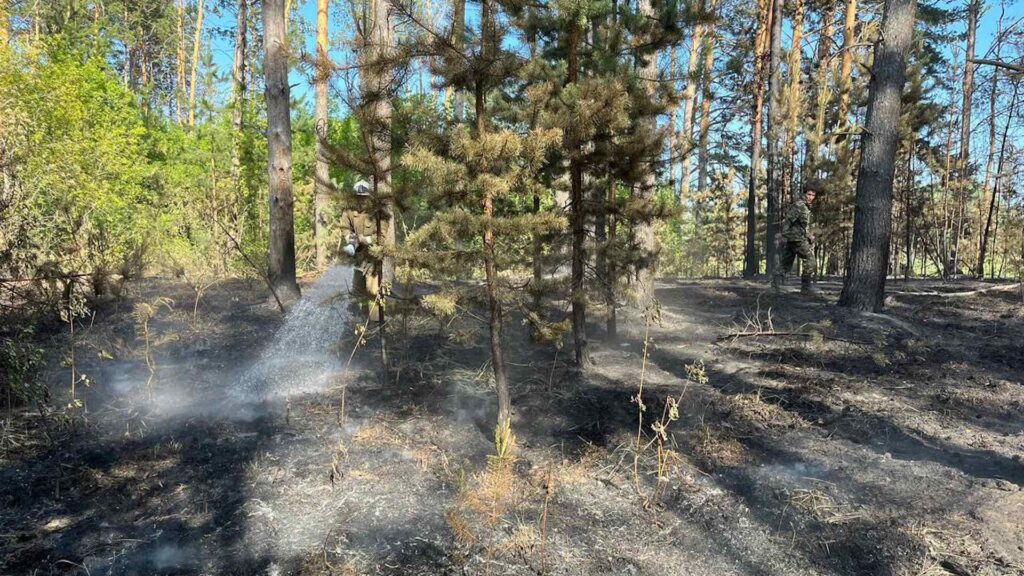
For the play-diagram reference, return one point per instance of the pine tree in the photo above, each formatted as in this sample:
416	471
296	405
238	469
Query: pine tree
864	288
476	178
279	145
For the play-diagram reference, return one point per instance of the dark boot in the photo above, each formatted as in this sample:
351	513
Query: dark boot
778	281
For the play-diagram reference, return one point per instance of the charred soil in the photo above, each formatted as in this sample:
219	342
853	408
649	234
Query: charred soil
781	435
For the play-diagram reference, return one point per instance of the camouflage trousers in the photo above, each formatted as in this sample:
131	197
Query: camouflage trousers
792	250
366	287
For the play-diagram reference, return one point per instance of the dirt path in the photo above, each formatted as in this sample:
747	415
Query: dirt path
865	444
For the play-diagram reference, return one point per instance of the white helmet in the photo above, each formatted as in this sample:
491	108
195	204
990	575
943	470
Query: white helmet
362	188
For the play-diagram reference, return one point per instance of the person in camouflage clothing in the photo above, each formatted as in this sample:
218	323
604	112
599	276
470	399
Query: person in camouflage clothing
359	231
796	232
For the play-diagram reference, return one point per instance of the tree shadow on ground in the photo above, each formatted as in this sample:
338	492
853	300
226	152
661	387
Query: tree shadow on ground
851	422
169	502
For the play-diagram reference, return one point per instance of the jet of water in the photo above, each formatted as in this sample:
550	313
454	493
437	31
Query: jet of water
303	357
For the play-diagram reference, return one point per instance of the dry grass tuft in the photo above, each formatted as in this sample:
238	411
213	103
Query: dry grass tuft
715	449
524	539
582	470
378	434
752	414
822	506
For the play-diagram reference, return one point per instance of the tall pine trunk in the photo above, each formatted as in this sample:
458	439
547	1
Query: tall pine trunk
795	99
751	264
196	45
179	84
817	136
705	107
774	136
982	252
322	176
376	75
964	158
578	214
279	147
690	96
864	287
238	80
846	64
645	189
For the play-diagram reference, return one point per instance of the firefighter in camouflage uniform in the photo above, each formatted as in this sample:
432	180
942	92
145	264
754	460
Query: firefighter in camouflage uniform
359	231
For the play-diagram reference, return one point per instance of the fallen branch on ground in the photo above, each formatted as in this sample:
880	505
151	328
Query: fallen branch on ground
737	335
999	288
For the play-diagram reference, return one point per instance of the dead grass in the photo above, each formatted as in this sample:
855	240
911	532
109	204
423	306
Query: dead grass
822	506
751	413
378	434
715	449
579	471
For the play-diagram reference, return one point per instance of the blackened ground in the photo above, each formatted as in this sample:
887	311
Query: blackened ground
820	442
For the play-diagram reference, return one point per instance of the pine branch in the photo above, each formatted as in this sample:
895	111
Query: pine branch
1019	68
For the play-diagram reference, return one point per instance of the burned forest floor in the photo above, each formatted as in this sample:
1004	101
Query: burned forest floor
780	435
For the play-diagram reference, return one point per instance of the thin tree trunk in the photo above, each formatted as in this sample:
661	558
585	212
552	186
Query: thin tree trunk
690	96
864	287
196	45
674	146
279	148
795	100
774	136
705	107
947	218
751	264
180	87
908	190
964	158
322	176
998	180
490	267
611	325
238	71
578	214
376	76
846	63
458	33
815	139
990	159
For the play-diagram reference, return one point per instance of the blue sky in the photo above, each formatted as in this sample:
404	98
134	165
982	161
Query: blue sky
304	15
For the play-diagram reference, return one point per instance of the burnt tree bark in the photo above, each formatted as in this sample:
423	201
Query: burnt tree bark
864	287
